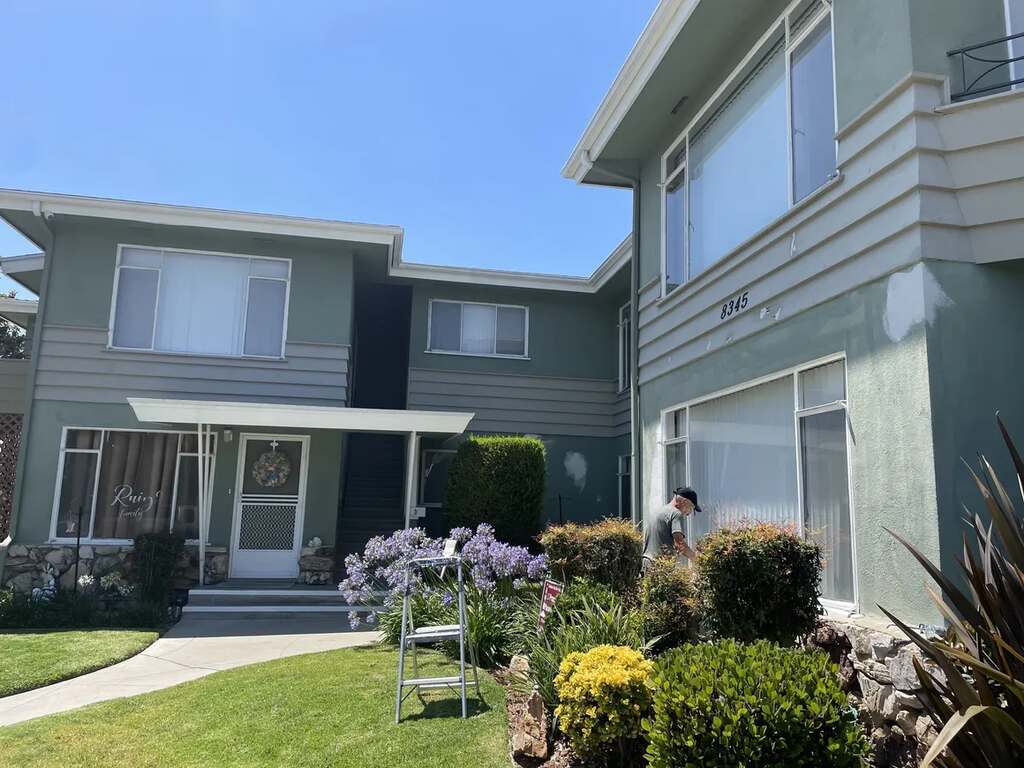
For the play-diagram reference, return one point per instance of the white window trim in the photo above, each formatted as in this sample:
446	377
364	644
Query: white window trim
798	413
55	511
624	374
526	329
718	99
156	310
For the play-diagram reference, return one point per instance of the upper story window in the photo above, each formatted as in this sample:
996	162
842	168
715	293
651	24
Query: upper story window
764	142
199	303
624	347
468	328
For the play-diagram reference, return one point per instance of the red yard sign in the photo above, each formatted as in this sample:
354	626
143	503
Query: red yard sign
548	593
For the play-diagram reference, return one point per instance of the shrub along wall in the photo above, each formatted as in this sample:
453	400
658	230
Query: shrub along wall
498	480
609	552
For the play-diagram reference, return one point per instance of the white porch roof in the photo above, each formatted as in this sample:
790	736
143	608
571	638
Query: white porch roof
241	414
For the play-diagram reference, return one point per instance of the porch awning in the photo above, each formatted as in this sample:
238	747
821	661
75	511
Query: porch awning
241	414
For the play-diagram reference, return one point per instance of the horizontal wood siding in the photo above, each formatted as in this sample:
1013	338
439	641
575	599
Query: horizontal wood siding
13	376
621	414
75	364
520	404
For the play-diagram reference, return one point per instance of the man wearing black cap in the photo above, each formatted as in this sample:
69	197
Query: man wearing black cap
665	532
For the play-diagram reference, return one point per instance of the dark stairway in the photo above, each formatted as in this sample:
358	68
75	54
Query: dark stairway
372	498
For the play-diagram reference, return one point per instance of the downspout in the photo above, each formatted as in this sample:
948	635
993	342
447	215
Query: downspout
30	384
636	454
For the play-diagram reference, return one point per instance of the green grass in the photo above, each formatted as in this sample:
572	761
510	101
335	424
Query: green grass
33	659
324	709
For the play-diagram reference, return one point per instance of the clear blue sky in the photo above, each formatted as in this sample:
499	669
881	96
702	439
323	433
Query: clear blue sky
451	119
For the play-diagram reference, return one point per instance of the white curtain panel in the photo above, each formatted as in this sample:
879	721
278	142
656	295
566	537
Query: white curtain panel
478	323
822	385
743	457
445	326
263	320
739	167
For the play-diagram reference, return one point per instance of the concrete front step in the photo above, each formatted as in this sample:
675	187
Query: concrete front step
265	599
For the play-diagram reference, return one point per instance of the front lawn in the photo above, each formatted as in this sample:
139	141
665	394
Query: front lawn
32	659
324	709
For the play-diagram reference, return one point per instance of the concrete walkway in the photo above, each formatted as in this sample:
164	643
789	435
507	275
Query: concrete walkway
193	648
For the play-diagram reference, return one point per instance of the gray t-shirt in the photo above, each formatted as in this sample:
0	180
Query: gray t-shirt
661	524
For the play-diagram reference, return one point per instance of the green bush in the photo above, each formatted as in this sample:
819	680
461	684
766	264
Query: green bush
725	704
500	481
758	581
668	604
604	695
609	551
66	609
155	559
576	630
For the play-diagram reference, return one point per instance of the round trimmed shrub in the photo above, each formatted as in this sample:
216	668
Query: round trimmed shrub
758	582
668	604
498	480
609	552
604	694
720	705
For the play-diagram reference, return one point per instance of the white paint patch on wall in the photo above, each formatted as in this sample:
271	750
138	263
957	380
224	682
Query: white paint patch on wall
911	298
576	469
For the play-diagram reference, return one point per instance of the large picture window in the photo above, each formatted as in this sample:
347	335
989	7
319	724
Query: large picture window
762	144
200	303
776	452
116	484
470	328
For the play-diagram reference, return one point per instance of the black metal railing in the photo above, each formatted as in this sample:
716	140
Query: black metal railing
984	71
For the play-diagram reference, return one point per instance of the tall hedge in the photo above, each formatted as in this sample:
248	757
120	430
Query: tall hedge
609	552
498	480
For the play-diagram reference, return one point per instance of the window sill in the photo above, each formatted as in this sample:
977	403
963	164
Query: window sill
711	272
195	355
476	354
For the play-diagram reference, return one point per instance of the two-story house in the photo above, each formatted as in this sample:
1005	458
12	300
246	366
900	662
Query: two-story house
829	227
280	389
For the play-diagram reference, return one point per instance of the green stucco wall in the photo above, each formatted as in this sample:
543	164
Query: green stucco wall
893	470
85	252
33	524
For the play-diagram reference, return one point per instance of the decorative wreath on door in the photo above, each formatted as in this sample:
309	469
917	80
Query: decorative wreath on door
272	468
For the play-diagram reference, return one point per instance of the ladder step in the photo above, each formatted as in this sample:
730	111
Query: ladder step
424	682
433	634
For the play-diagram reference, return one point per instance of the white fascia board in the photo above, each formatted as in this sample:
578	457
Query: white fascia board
29	262
661	31
283	415
495	277
45	203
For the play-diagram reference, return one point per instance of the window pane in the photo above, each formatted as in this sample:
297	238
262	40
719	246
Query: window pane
445	325
84	439
511	334
814	146
78	481
824	384
135	307
827	499
269	268
186	507
677	423
743	457
264	319
675	230
477	328
675	468
201	303
136	482
739	167
435	477
142	257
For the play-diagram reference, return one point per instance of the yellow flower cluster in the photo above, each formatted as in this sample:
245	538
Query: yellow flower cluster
603	695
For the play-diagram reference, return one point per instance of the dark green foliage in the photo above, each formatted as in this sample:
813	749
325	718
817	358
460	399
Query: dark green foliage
609	552
724	705
668	604
156	557
68	609
757	582
978	698
500	481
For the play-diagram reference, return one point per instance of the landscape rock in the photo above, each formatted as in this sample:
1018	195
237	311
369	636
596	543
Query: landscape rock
17	550
21	583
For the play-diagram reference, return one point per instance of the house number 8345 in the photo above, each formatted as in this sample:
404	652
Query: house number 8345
733	306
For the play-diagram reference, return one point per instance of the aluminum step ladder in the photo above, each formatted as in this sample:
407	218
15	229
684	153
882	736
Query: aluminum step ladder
412	637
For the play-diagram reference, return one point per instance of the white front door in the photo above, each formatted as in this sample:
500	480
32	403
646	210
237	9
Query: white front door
269	506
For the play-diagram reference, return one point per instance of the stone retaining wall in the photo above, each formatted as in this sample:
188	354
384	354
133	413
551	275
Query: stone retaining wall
877	669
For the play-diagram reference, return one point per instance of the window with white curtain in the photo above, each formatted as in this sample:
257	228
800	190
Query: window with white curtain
200	303
759	147
775	452
116	484
471	328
